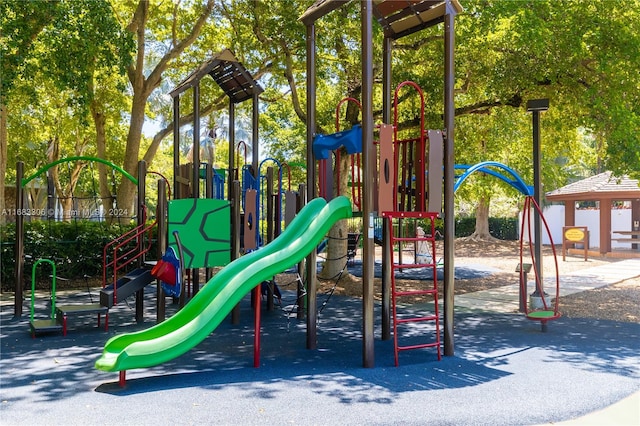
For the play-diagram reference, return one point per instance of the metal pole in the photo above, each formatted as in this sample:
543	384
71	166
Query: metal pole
208	193
449	162
232	147
195	189
369	158
142	178
195	186
386	249
161	212
255	137
536	106
312	309
176	147
235	196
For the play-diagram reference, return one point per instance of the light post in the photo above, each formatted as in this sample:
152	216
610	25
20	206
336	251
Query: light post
536	106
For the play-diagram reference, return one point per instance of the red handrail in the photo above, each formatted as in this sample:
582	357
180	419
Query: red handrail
419	167
136	252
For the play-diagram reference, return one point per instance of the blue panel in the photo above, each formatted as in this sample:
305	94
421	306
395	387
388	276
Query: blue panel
351	139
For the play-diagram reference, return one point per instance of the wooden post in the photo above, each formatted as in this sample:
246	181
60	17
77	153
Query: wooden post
235	195
161	214
19	246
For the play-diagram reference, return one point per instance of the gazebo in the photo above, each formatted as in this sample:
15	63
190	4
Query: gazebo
603	188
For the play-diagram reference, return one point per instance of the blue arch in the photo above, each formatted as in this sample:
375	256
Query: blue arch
488	167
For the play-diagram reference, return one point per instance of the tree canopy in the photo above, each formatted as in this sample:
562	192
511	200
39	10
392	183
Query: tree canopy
90	73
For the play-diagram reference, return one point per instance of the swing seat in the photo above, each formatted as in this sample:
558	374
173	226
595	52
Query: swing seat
543	315
546	308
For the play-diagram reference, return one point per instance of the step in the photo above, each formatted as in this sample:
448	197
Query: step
77	309
417	319
44	326
416	292
414	265
63	311
421	346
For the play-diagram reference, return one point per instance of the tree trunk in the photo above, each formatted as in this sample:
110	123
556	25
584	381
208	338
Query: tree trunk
3	156
127	190
65	195
100	120
144	86
482	221
337	245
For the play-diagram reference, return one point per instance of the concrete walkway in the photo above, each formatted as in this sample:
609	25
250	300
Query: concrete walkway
506	299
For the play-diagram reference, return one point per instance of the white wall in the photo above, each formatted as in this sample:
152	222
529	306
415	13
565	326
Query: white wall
620	221
590	219
554	215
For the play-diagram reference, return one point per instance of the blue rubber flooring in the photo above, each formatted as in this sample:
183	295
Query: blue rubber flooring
460	272
505	371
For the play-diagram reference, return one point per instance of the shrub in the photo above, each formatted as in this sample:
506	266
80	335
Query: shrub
76	247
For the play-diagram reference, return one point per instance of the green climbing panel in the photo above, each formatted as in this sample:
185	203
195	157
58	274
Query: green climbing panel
204	227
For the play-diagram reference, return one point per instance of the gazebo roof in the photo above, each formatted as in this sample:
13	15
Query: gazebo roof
598	187
228	73
398	18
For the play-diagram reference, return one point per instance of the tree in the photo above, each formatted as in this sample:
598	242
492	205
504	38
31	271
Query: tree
21	23
145	78
70	47
582	55
579	54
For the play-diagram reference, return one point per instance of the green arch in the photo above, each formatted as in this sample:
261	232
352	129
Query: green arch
78	158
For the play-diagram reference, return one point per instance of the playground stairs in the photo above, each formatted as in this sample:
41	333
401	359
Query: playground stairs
413	336
125	286
119	278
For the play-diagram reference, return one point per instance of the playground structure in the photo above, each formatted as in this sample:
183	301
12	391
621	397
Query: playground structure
125	271
417	195
401	177
397	19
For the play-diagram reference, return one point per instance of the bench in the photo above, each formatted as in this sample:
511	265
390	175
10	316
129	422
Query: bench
63	311
626	240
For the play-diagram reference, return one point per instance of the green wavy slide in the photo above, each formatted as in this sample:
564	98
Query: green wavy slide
209	307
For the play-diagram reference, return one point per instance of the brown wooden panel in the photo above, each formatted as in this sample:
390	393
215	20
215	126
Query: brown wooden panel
386	179
436	173
290	206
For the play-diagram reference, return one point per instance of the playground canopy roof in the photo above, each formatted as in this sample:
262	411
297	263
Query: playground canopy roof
398	18
228	73
603	185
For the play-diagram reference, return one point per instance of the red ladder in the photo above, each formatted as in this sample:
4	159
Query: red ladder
427	240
